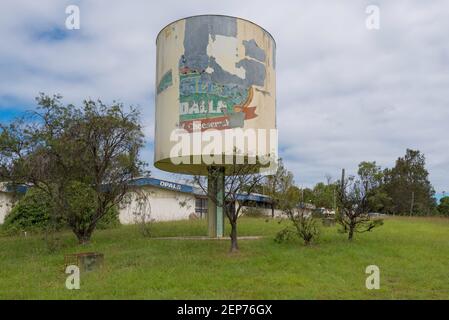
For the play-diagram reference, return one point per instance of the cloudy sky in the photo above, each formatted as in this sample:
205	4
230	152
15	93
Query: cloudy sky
345	93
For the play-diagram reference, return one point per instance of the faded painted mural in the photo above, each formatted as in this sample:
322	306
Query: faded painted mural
216	85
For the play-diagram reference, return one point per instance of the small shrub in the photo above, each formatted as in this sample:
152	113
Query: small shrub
110	219
285	234
31	213
304	227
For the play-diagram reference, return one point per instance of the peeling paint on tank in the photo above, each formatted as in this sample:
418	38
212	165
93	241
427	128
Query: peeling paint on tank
196	37
252	50
214	84
166	81
221	49
255	72
222	76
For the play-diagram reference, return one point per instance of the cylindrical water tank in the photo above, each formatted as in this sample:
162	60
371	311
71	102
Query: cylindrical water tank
214	73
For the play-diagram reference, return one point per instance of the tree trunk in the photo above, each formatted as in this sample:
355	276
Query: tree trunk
83	239
234	245
351	232
84	236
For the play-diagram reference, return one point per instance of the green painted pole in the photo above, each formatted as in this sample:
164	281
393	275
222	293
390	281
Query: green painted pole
220	197
215	210
211	207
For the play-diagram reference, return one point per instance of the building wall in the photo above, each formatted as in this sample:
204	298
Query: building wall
278	213
165	205
6	203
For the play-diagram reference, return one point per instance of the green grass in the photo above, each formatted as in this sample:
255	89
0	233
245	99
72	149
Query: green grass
412	254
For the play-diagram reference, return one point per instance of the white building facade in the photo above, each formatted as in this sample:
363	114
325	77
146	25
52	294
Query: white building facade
152	199
6	204
158	200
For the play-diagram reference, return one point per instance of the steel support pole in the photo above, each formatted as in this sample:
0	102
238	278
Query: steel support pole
215	210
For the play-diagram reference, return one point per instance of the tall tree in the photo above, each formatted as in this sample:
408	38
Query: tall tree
307	195
443	207
324	194
59	146
408	185
373	176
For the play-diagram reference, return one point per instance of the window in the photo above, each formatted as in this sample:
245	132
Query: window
201	207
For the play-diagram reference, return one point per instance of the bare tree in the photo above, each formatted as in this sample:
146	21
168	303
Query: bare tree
142	209
353	206
240	181
303	225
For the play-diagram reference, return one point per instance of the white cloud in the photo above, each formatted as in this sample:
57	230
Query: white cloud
345	94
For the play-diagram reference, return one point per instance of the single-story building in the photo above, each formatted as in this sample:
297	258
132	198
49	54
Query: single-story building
7	199
159	200
6	204
162	200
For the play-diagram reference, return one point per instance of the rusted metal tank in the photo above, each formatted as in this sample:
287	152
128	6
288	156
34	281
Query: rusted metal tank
214	73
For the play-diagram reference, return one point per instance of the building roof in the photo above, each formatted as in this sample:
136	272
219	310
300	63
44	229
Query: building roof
254	197
9	188
180	187
163	184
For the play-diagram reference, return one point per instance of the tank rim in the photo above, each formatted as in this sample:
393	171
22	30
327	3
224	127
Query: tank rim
216	15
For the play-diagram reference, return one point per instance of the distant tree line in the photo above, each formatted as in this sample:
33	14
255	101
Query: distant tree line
404	189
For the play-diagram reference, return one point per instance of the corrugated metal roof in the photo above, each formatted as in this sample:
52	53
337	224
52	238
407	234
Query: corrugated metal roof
163	184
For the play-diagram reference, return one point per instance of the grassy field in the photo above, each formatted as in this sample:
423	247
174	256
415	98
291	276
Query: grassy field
412	254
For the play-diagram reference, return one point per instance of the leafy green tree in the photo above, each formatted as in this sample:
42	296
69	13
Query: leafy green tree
372	176
33	211
307	196
370	173
379	201
443	207
324	195
81	208
408	185
60	145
